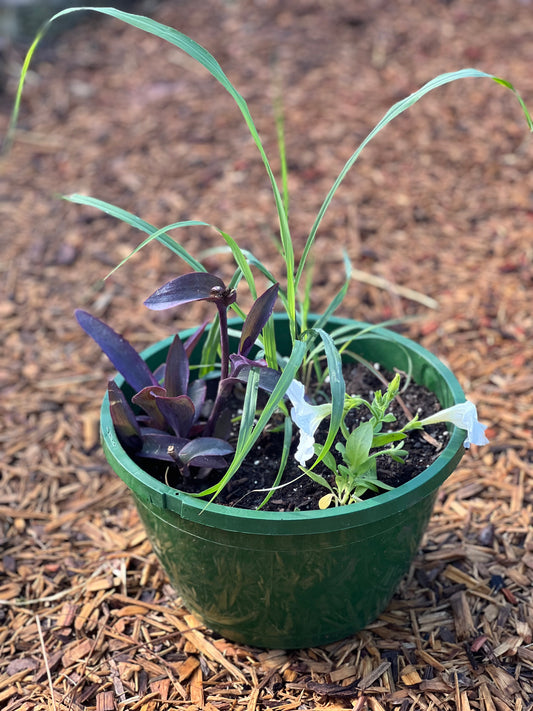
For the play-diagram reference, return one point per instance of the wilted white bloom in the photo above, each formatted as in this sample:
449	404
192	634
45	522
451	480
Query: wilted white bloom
463	415
307	418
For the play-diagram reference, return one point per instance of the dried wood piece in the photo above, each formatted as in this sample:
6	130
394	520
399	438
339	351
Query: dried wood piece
410	676
186	668
345	672
473	584
76	652
197	688
464	703
462	617
68	615
252	699
8	692
161	687
502	679
202	645
435	686
486	698
429	659
105	701
130	611
373	676
15	677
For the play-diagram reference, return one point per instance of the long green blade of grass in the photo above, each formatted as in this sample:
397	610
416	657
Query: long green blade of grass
160	235
205	59
339	297
139	224
280	131
391	114
338	390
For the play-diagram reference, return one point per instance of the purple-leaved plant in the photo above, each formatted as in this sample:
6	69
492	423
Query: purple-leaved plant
172	425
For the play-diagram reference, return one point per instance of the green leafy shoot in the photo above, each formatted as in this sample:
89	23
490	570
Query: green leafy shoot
139	224
339	297
338	391
357	472
280	131
205	59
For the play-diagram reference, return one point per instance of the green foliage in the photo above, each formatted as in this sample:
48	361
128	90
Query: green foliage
357	473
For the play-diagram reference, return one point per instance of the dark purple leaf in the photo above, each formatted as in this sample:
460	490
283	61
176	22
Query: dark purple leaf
238	361
121	353
177	369
197	391
146	399
160	445
196	286
126	427
193	340
203	451
178	412
257	318
211	461
223	426
240	370
159	373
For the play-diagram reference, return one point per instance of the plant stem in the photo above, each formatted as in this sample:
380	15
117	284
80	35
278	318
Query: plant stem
222	392
224	339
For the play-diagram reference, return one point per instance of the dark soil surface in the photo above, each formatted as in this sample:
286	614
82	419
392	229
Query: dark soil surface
297	492
437	219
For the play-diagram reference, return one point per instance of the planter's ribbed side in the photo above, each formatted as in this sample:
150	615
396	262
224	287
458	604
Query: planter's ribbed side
286	591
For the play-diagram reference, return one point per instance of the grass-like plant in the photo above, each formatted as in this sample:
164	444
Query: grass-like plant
293	295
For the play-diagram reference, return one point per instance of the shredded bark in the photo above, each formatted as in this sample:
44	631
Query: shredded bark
437	219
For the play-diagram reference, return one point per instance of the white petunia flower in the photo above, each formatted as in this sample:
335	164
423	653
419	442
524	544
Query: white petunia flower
463	415
307	418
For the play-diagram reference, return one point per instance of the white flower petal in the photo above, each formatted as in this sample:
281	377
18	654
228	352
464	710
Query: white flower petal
305	449
463	415
295	392
307	418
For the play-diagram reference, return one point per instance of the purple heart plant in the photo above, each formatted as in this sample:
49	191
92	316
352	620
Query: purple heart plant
172	425
175	421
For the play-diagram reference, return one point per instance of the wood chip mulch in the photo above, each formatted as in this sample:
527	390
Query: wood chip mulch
438	220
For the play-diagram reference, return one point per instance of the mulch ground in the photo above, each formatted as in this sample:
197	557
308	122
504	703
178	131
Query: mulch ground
437	218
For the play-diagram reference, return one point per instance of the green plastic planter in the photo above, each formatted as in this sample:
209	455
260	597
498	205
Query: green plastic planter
299	579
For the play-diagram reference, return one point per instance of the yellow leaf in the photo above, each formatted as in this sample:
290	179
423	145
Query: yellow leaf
325	501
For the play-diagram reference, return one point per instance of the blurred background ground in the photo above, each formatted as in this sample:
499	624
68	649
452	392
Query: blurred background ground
440	203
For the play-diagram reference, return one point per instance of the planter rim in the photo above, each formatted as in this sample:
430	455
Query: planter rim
384	505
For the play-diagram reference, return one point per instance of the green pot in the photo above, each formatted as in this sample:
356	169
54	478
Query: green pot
298	579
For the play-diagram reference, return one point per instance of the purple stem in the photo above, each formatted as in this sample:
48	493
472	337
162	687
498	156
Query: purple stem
224	339
222	394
